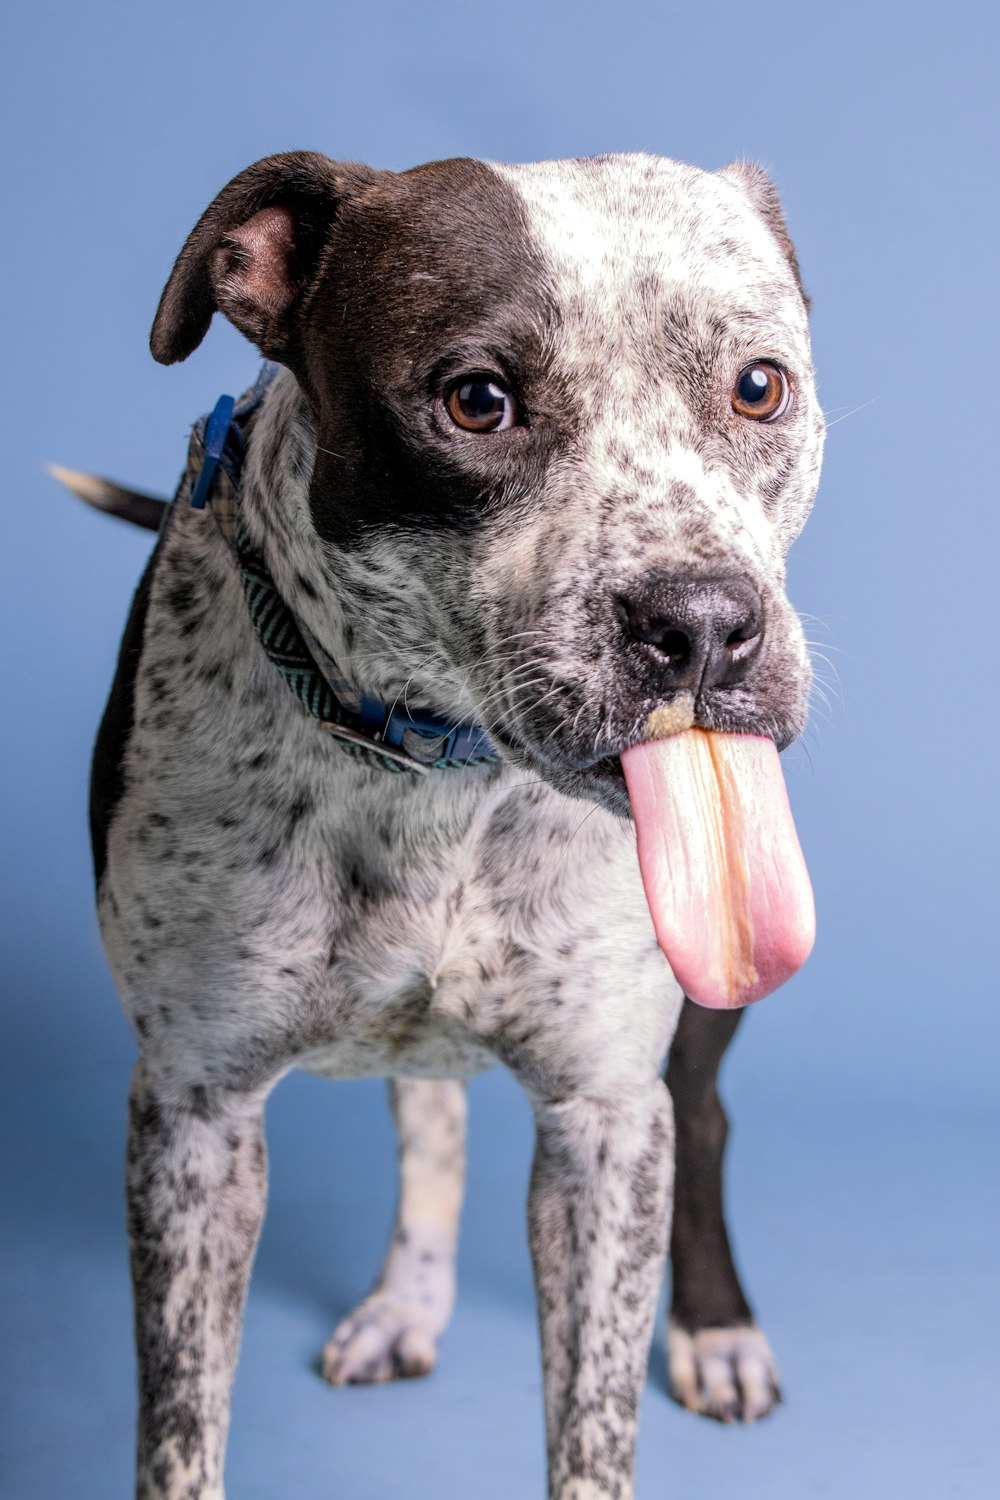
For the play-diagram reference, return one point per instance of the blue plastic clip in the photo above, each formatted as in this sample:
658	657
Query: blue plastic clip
373	714
216	432
456	742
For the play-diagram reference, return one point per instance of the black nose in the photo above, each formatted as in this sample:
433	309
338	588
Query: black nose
699	632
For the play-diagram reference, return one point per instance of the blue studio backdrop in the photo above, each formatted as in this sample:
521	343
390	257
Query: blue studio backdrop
862	1180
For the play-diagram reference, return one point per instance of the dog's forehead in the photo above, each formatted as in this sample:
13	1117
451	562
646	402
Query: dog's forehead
625	242
613	219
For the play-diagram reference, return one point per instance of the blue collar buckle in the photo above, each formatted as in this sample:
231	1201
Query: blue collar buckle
217	432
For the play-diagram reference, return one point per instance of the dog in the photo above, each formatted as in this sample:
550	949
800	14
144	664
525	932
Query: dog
357	804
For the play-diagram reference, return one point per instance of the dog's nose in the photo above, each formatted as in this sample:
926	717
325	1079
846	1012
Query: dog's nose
701	632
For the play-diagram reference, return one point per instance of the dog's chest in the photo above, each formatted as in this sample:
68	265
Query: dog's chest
393	926
445	952
272	902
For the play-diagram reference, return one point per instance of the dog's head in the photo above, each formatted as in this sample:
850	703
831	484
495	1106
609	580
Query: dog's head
566	431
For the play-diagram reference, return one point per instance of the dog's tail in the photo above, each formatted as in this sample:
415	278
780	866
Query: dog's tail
103	494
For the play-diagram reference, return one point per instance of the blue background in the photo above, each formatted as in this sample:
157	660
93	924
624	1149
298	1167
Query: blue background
863	1181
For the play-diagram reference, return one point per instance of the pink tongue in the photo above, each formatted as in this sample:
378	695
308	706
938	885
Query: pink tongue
724	875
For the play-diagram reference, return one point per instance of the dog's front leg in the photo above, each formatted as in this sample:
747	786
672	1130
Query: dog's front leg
598	1220
196	1179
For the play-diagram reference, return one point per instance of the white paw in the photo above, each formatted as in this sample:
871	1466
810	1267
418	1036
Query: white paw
381	1340
725	1373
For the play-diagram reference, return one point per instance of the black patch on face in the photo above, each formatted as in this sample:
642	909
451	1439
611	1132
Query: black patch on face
429	276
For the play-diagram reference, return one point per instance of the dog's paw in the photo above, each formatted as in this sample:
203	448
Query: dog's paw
383	1339
725	1373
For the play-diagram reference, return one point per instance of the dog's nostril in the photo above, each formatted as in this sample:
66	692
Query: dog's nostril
743	640
673	644
744	632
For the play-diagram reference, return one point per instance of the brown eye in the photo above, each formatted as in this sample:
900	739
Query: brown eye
479	404
762	392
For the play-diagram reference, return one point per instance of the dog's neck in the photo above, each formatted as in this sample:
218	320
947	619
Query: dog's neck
371	665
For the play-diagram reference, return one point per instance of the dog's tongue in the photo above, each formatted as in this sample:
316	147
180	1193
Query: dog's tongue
724	875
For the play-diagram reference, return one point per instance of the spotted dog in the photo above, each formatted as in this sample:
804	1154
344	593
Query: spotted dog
535	432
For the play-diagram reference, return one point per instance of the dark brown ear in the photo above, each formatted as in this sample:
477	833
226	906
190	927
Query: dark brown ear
763	194
254	253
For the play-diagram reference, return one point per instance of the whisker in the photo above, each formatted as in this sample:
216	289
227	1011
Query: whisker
807	753
485	707
824	646
509	690
853	411
576	830
572	730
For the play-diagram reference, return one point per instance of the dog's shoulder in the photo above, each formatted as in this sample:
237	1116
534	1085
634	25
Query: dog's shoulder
185	631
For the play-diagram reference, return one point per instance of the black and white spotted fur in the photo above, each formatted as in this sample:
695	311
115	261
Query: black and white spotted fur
270	902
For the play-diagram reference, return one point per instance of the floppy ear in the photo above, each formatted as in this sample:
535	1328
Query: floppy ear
254	254
758	187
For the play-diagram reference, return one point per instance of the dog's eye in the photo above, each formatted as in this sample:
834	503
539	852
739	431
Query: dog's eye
762	392
479	404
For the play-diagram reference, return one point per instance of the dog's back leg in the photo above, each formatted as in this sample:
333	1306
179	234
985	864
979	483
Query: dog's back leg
395	1330
720	1363
196	1182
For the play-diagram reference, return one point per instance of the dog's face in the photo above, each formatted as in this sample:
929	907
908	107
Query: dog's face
566	432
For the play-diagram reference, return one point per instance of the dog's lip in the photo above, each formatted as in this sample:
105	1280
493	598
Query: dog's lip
607	769
704	718
710	713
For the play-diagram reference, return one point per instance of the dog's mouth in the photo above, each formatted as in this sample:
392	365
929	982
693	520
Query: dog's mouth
592	769
724	877
582	687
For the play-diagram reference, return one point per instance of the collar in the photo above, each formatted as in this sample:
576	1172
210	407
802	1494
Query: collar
385	734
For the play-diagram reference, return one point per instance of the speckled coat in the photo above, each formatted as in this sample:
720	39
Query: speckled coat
269	901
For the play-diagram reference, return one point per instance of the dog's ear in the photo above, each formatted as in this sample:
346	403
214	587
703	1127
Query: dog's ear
254	253
763	194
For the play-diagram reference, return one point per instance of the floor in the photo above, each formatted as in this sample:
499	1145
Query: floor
864	1241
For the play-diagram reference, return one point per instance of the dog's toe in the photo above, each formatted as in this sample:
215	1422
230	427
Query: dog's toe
381	1340
725	1373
